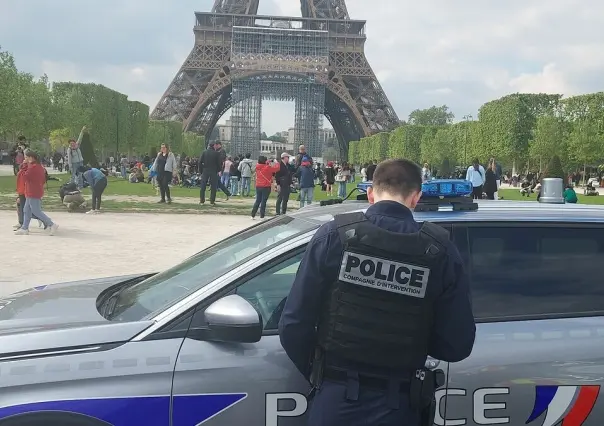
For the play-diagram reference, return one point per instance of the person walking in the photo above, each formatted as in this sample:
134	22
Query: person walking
363	346
342	178
476	175
225	179
284	181
223	159
165	166
97	181
306	177
490	180
210	165
330	178
498	174
75	159
235	176
246	167
21	195
264	182
35	179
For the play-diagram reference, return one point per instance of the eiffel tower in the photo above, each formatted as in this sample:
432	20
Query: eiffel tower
240	58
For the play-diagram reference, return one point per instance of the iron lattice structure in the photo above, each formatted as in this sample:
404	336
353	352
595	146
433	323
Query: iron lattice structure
278	55
234	47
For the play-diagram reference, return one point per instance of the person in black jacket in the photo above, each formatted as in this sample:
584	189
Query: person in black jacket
284	181
210	164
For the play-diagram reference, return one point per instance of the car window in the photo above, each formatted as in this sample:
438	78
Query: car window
536	271
154	294
267	291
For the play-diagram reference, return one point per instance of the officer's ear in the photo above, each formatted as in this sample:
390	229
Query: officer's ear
370	195
414	199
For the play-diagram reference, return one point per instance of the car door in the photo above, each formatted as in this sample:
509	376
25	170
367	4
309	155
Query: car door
538	298
246	382
243	383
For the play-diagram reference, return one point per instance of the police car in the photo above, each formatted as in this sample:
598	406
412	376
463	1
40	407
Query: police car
197	344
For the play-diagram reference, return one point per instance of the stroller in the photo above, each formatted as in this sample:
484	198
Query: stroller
193	181
591	187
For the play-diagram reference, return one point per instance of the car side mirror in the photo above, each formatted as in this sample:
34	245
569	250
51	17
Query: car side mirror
233	319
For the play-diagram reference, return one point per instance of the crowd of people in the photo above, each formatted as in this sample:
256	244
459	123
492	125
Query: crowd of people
233	175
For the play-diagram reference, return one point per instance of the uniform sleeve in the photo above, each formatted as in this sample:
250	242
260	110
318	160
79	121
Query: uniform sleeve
454	329
297	326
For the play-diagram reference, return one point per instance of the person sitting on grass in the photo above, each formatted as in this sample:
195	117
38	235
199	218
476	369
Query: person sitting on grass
570	196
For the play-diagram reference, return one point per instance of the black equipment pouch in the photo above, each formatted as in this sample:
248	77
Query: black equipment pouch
424	384
316	374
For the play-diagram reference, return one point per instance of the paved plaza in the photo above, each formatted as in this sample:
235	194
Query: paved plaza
102	245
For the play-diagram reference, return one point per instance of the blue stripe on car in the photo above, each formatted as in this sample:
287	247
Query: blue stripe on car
188	410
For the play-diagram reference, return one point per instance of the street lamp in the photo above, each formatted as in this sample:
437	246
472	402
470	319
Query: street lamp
467	117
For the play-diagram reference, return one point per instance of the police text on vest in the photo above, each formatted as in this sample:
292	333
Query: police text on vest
382	274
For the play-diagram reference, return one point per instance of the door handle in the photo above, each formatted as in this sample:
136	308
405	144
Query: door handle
432	363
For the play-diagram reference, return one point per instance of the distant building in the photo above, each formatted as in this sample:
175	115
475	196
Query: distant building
225	131
274	149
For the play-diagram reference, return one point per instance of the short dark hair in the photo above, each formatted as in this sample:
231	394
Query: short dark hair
262	159
397	177
32	154
248	155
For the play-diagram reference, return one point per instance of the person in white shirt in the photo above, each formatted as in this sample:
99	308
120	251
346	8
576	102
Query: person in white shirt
426	174
476	175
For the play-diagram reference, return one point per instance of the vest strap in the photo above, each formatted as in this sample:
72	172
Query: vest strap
343	221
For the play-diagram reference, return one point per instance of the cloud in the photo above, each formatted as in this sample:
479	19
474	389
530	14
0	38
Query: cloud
441	91
423	53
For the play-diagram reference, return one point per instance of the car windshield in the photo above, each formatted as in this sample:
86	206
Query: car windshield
155	294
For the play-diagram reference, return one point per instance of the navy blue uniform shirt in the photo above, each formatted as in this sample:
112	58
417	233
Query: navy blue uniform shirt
453	331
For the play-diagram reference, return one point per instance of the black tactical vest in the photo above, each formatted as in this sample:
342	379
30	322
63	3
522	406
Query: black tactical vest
379	312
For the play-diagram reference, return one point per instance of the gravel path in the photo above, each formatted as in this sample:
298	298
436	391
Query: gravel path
108	244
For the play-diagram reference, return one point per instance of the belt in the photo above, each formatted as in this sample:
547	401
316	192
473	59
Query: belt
374	382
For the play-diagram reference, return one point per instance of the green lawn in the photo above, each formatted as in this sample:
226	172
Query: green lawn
514	194
120	187
117	186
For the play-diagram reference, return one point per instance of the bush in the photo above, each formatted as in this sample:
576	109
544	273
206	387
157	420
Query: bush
153	152
554	169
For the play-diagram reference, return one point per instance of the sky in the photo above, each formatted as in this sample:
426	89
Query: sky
424	53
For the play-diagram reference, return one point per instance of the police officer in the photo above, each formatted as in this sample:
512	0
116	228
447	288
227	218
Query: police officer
374	295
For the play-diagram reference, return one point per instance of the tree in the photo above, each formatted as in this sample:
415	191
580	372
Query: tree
59	139
437	144
194	144
433	116
585	143
548	139
554	169
153	152
88	151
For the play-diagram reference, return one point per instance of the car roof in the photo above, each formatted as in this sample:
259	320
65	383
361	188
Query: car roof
488	211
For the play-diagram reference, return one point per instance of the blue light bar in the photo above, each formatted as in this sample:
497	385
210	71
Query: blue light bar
446	188
438	188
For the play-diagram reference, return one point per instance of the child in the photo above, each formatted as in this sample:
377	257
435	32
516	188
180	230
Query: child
35	178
